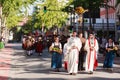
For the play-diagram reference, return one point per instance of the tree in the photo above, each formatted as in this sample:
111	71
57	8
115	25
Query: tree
28	26
11	11
11	14
53	15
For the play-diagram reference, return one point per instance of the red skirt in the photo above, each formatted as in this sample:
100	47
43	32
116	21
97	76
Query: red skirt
39	48
65	65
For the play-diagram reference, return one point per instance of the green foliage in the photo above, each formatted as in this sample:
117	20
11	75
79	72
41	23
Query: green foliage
87	3
53	16
11	10
13	20
28	26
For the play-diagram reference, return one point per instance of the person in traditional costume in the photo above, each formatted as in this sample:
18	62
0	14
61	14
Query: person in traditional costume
74	46
39	46
109	57
82	53
24	42
65	52
29	45
91	46
56	51
33	44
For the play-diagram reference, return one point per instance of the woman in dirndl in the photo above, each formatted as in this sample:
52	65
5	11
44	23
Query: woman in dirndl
39	46
109	58
56	51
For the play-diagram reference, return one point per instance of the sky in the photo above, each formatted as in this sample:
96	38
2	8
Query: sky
30	9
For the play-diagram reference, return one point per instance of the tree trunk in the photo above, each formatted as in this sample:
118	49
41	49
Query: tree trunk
0	18
4	28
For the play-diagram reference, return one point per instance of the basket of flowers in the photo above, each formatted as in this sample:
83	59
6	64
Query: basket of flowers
55	49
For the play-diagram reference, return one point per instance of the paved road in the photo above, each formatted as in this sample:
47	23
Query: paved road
22	67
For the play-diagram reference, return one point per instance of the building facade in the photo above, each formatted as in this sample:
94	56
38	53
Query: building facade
112	14
111	11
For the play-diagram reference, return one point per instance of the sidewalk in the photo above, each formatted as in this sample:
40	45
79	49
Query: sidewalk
15	65
5	62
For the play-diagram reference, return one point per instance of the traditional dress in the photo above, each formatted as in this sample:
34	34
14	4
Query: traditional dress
28	46
109	58
24	43
39	47
91	57
56	61
74	46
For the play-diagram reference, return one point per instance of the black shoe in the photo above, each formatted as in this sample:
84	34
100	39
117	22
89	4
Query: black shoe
82	68
70	73
110	70
57	70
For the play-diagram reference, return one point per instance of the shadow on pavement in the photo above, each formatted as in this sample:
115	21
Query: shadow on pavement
94	78
41	64
30	64
21	52
116	68
98	78
39	79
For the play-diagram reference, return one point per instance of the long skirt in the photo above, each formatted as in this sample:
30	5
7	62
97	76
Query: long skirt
39	48
109	59
56	61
